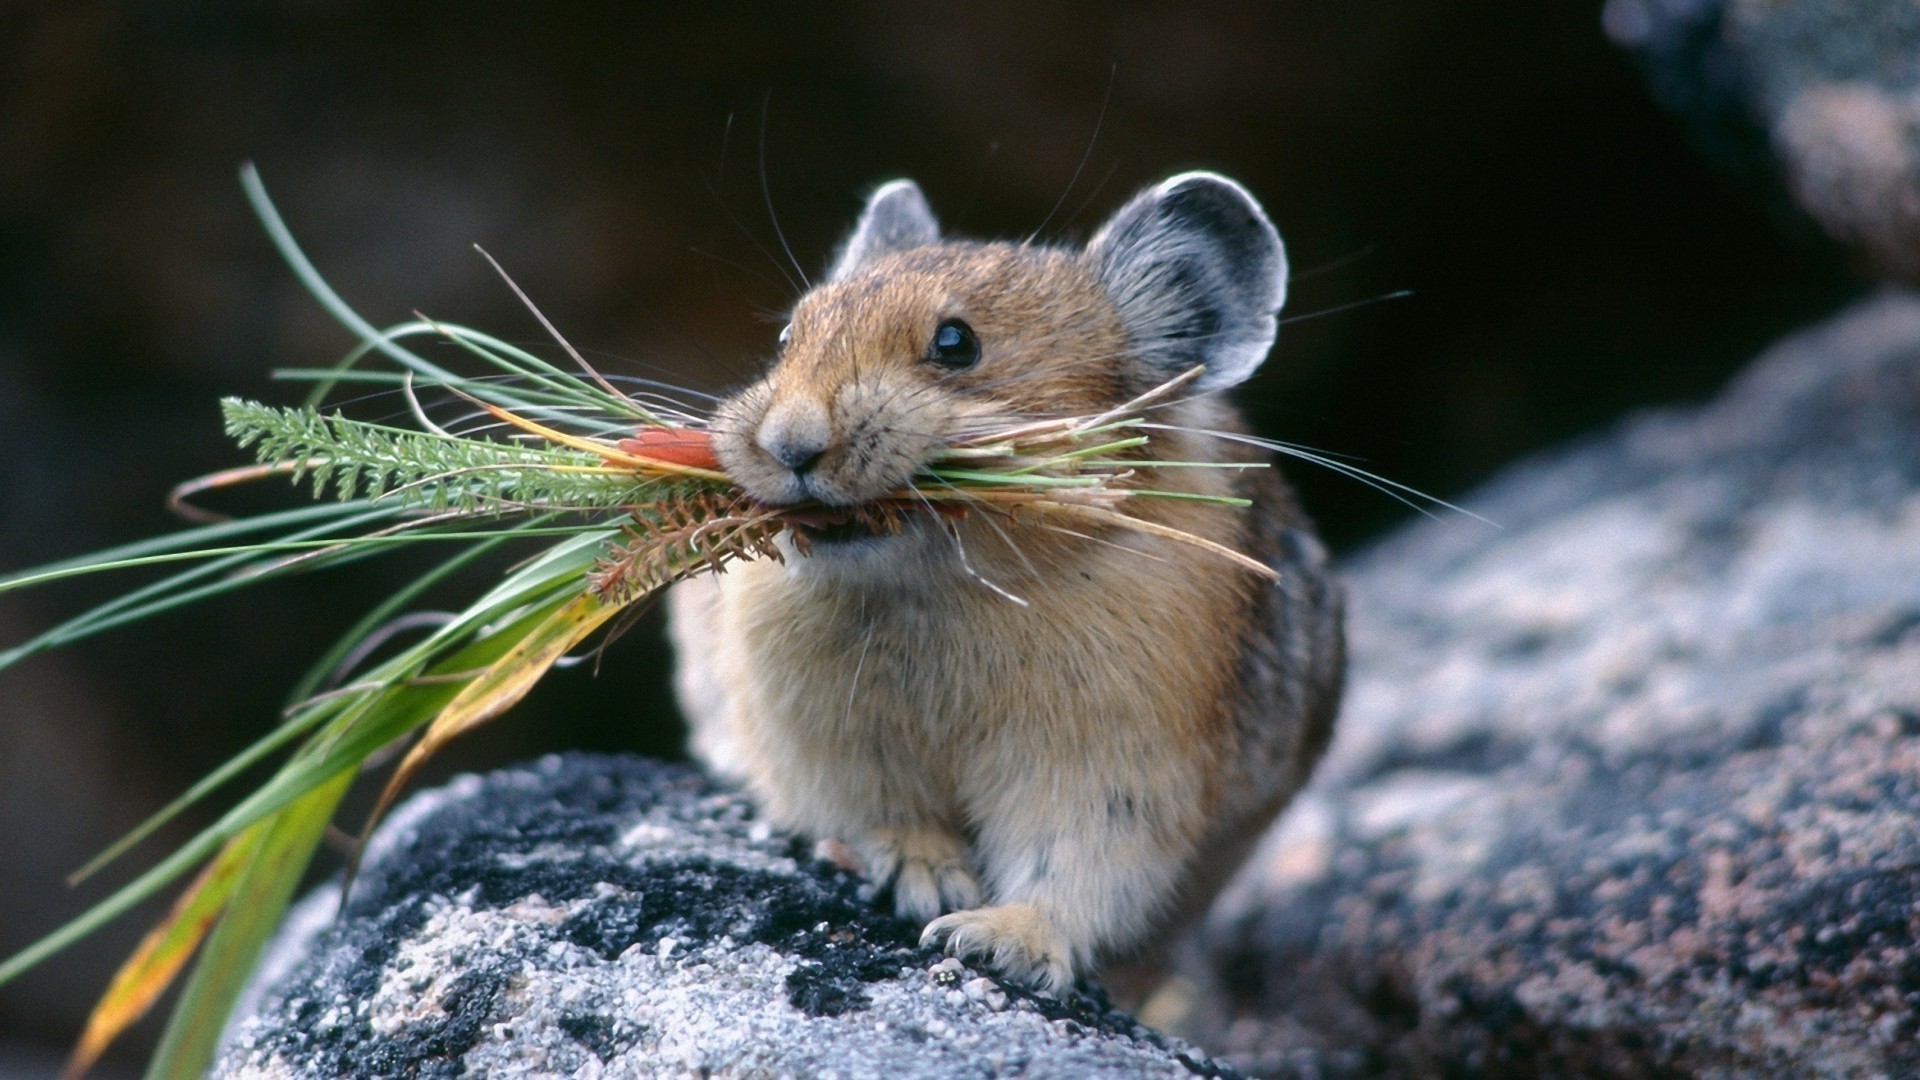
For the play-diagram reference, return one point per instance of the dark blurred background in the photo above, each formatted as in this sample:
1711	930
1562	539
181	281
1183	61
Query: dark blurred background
1569	254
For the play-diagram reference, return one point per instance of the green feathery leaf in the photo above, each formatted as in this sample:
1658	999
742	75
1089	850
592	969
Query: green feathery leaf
428	470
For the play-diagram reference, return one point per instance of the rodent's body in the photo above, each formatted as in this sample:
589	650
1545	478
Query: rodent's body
1046	742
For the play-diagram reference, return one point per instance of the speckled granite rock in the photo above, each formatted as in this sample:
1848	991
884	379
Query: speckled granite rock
1629	786
613	917
1832	87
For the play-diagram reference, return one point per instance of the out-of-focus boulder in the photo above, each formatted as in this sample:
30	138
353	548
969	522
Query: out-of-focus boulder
1831	86
1628	785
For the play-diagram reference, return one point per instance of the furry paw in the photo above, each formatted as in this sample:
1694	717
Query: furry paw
1015	940
927	870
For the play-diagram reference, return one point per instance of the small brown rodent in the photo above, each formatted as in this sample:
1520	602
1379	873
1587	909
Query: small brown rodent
1051	746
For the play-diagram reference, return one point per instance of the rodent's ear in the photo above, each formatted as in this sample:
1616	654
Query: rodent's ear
1198	274
897	217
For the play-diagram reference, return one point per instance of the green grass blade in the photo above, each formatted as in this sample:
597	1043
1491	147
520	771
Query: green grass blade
317	286
1089	451
172	592
502	685
484	387
252	913
183	859
357	726
164	952
1189	496
270	547
559	381
186	539
259	751
516	388
971	476
387	342
168	594
301	721
388	610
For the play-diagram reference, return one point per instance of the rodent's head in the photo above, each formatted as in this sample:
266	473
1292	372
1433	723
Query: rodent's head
913	340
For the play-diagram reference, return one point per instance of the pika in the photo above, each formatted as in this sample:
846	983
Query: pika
1050	747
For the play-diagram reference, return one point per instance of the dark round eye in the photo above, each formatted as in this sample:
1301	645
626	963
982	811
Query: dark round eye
954	345
786	335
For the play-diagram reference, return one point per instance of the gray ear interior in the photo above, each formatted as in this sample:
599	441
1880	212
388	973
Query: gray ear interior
897	218
1198	274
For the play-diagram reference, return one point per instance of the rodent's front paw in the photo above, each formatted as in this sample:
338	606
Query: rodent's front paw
1015	940
926	868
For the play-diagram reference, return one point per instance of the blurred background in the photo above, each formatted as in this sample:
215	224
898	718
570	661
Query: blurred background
1570	257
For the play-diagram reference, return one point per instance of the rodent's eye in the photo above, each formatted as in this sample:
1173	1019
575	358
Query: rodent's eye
786	335
954	345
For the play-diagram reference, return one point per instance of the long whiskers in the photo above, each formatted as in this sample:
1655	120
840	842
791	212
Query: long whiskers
1012	546
859	665
966	565
1412	497
766	190
1397	294
1100	118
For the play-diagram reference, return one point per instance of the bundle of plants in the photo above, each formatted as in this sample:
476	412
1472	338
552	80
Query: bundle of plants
615	481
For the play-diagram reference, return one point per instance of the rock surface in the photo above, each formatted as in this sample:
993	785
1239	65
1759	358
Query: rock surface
1630	785
614	917
1626	786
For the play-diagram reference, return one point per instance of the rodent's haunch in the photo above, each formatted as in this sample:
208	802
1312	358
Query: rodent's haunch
1051	745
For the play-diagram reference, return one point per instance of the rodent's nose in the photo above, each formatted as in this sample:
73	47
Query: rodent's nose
795	434
797	455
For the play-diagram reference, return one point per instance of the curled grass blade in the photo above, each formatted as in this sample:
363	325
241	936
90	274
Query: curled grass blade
498	688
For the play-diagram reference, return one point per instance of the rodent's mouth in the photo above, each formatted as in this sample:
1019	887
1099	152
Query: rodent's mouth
835	526
841	533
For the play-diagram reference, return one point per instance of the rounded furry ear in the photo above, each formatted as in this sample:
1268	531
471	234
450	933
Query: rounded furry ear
897	218
1198	274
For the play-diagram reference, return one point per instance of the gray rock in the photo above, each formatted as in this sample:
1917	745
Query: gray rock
1629	785
1832	87
613	917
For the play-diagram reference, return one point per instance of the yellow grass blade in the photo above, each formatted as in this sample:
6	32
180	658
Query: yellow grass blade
503	683
259	898
163	952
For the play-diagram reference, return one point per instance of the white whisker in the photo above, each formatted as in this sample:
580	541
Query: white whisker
1392	488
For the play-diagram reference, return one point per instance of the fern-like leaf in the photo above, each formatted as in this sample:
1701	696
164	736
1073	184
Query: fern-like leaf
429	470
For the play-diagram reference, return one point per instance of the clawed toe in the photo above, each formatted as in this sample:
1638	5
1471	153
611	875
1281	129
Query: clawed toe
927	870
1014	940
922	890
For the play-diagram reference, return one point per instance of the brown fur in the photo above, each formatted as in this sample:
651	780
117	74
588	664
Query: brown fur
1083	762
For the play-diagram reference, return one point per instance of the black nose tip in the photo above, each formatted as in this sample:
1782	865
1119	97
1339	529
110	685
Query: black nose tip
800	455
